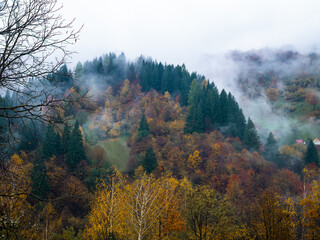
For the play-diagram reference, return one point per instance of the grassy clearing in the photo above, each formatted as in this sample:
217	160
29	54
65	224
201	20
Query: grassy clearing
117	151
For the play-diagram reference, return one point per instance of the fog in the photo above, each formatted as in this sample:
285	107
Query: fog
185	31
286	64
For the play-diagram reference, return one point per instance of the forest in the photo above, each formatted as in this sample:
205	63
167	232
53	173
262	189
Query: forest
153	152
117	149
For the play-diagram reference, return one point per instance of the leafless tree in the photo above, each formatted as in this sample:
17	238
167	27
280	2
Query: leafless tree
34	40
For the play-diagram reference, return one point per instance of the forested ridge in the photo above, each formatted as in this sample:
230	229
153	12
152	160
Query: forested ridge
153	152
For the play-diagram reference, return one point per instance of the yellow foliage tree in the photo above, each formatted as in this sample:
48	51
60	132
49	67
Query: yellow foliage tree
143	209
194	160
275	219
311	213
15	210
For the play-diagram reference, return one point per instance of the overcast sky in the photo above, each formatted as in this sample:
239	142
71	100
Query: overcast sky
183	31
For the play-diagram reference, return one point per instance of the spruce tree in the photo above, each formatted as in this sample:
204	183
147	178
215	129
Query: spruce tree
271	149
194	121
78	71
241	124
131	73
49	147
75	153
29	138
250	137
195	118
143	130
65	141
212	107
58	145
40	185
224	110
194	93
311	154
149	162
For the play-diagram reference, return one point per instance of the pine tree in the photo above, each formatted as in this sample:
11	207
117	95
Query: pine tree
143	130
78	71
224	111
40	185
131	73
49	147
149	162
75	153
311	154
185	86
194	121
241	124
195	118
211	106
194	93
250	137
58	146
166	81
65	141
29	138
271	149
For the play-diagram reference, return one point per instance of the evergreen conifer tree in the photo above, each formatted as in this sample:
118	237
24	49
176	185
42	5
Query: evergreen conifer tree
241	124
194	93
29	138
143	130
195	118
149	162
75	153
250	137
58	145
78	71
271	149
65	141
40	185
194	121
311	154
224	110
49	146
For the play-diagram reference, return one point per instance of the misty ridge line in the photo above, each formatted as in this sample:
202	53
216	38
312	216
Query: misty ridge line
248	67
226	71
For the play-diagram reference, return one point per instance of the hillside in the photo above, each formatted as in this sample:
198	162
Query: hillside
155	145
286	84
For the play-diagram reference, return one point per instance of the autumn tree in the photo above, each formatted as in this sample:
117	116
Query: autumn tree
208	215
194	160
105	220
15	209
312	98
146	200
272	94
275	221
290	157
125	92
311	213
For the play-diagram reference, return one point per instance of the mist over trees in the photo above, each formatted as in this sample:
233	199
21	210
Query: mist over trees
154	152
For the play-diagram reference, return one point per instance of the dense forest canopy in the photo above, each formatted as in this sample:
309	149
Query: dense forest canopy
156	152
